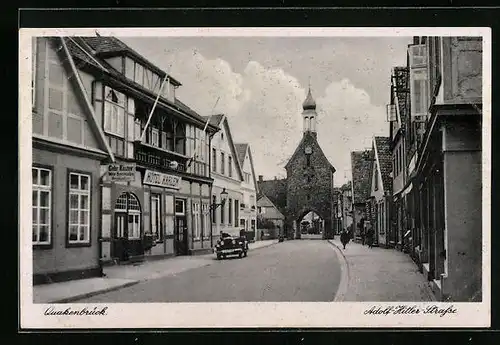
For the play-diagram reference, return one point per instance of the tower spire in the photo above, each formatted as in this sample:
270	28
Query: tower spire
309	112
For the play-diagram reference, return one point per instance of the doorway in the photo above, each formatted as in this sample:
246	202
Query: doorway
180	230
127	236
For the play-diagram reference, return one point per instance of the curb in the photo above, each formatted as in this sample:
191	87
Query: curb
94	293
344	273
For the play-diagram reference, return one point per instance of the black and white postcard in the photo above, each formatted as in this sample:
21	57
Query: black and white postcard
255	177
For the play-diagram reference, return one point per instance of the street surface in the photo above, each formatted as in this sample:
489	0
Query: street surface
292	271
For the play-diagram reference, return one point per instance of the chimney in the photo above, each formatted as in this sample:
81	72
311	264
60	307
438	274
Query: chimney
261	178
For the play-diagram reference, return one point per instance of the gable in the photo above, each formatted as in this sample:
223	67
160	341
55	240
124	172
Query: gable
223	142
376	181
299	154
264	202
60	110
361	166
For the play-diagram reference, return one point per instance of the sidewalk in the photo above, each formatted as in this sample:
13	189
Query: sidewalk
379	275
120	276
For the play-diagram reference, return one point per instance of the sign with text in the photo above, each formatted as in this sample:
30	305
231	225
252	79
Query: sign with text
162	180
121	172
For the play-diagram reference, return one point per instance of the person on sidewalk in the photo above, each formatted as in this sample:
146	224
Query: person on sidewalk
344	238
370	235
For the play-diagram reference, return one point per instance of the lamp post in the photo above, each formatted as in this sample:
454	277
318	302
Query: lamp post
213	207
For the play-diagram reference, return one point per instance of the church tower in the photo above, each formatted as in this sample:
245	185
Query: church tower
309	114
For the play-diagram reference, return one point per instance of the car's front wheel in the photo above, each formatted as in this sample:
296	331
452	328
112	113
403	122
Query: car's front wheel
219	256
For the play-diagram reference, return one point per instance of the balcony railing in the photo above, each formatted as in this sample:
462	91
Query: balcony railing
159	159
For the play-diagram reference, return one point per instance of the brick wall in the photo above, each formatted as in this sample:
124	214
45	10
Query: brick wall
313	195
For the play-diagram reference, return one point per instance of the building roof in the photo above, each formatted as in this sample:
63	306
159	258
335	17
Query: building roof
241	150
361	165
384	158
275	190
214	120
264	201
112	46
90	50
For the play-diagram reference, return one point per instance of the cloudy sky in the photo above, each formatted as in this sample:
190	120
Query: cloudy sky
262	83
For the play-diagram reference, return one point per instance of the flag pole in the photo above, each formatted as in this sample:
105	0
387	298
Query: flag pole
154	106
203	135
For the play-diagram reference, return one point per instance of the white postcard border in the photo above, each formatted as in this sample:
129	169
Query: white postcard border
200	315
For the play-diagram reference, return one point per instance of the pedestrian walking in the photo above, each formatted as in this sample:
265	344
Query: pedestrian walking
344	238
370	235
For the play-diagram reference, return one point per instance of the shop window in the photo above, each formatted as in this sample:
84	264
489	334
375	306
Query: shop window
196	220
156	216
41	207
79	208
128	203
205	221
243	224
253	224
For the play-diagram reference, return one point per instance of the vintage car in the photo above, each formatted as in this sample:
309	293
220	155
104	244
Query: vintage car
231	245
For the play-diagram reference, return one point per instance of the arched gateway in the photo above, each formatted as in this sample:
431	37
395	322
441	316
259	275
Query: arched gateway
309	182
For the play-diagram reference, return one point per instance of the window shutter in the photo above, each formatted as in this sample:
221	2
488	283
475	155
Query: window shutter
419	97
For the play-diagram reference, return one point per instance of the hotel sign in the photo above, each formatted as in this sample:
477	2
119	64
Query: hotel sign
162	180
121	172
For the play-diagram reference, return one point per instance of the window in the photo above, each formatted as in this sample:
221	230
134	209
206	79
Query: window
139	74
214	213
230	166
222	218
230	213
179	207
308	179
41	207
128	205
114	112
236	211
214	159
308	160
253	224
155	137
259	209
205	221
196	220
375	177
79	208
180	138
222	163
156	216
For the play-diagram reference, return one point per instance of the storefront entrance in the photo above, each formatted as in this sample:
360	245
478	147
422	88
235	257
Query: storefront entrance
180	235
127	237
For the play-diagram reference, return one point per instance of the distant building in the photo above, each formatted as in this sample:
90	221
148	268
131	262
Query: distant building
361	167
346	206
270	217
228	176
249	189
381	190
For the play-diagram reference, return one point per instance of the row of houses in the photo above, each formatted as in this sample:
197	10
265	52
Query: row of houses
122	170
421	188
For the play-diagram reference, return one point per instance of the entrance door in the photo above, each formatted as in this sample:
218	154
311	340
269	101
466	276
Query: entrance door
120	237
180	235
127	236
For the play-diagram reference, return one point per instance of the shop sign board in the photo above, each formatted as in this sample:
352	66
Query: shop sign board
121	172
154	178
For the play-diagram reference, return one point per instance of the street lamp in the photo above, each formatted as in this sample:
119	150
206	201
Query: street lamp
223	198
